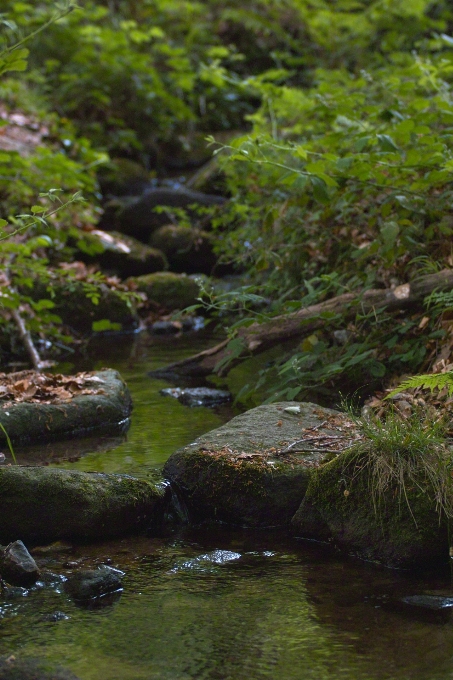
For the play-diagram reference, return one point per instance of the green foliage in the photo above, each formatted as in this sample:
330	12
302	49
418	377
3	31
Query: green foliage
433	381
342	181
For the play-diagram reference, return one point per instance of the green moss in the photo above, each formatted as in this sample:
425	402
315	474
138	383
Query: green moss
169	290
400	527
45	504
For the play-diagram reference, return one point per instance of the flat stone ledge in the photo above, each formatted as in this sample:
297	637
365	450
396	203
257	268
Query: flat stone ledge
237	473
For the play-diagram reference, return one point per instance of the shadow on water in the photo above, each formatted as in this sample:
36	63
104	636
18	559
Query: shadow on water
215	603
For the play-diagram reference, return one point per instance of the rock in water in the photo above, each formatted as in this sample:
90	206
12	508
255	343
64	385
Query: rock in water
44	504
238	473
89	584
17	566
12	668
197	396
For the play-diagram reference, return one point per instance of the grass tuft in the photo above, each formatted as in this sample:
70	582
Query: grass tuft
404	456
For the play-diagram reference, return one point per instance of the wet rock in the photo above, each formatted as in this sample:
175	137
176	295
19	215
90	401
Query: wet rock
55	616
197	396
237	473
339	507
89	584
24	421
168	290
165	328
120	254
17	566
48	504
432	602
13	668
187	249
140	220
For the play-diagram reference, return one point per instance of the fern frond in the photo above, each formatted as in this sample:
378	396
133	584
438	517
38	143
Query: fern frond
431	381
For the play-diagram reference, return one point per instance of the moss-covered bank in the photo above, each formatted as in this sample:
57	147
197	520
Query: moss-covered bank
400	528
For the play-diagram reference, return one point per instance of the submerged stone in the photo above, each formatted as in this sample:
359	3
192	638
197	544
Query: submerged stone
89	584
197	396
403	529
50	504
244	473
109	405
432	602
13	668
17	566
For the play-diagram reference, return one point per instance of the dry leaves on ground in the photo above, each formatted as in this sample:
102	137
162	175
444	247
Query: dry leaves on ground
46	388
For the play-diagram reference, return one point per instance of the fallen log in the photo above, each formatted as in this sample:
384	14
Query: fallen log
258	337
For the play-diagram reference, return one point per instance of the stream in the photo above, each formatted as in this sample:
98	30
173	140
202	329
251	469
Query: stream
214	603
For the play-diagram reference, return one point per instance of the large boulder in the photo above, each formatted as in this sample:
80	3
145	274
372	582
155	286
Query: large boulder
342	506
120	254
188	249
139	219
168	290
104	401
43	504
244	473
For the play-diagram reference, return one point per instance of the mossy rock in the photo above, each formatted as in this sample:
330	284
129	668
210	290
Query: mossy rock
235	474
399	530
122	255
43	504
188	249
169	290
78	312
14	668
139	219
123	177
33	422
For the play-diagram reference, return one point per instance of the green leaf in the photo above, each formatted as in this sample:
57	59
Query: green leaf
320	192
105	325
386	143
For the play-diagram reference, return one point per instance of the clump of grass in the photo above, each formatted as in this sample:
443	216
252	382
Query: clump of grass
403	454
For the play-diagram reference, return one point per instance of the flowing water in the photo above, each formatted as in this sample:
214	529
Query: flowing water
216	603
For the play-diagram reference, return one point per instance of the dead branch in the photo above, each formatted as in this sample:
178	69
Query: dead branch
261	336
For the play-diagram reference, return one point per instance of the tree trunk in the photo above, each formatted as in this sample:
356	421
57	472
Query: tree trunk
261	336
